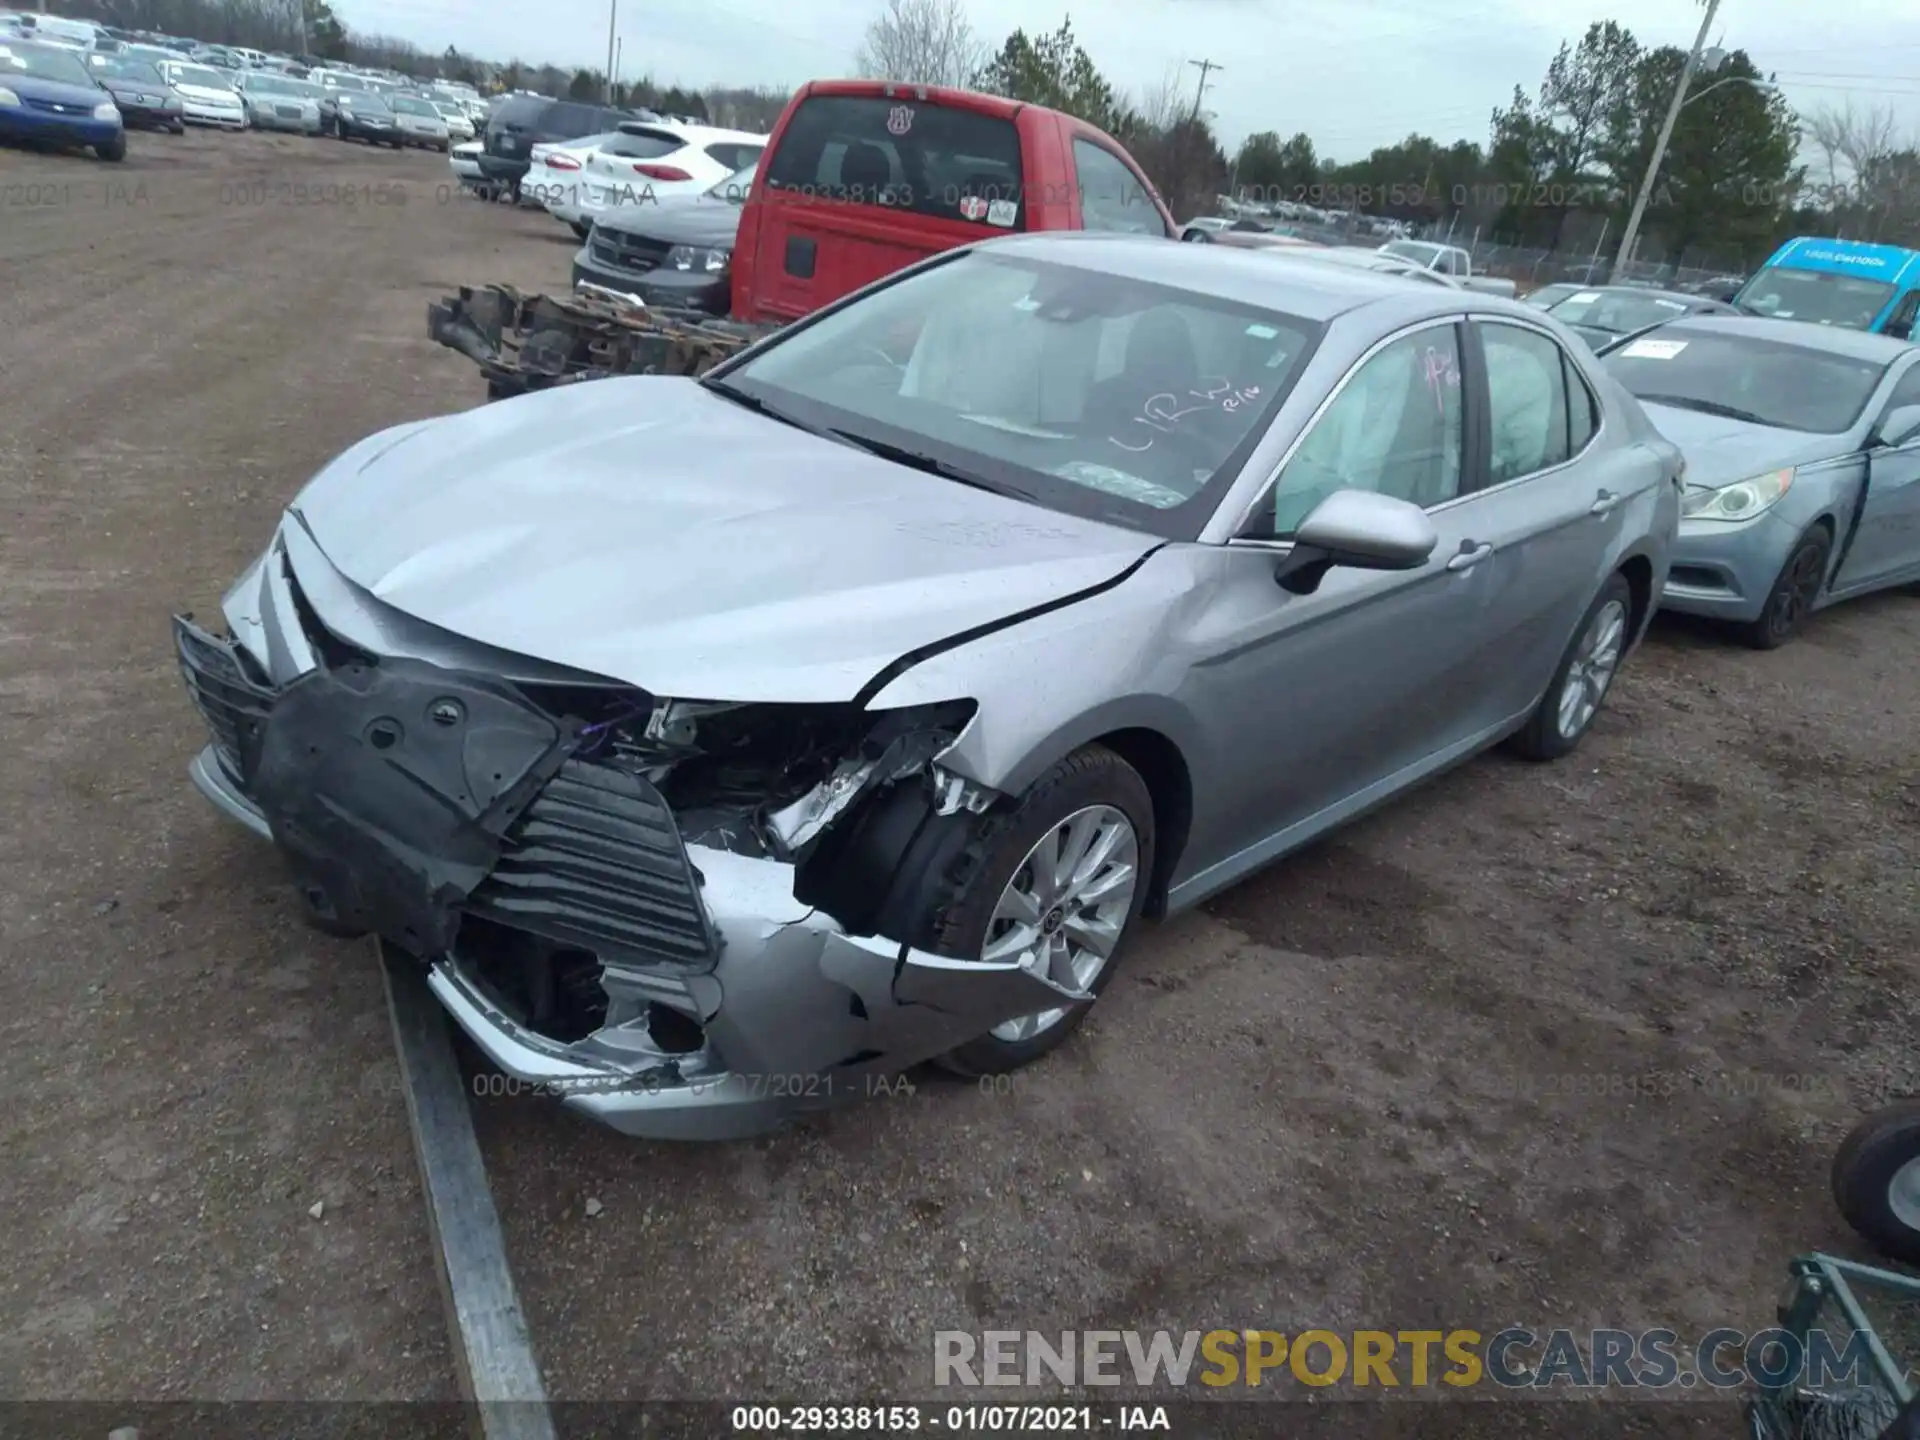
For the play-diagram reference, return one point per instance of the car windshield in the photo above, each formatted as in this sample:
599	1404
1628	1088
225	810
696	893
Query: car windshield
137	70
274	85
736	186
406	105
1744	377
1411	250
43	62
1085	392
1616	312
201	75
1816	296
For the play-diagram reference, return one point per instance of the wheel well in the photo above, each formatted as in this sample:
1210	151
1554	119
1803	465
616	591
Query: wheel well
1639	572
1169	782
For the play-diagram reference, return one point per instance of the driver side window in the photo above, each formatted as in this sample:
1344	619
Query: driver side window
1395	428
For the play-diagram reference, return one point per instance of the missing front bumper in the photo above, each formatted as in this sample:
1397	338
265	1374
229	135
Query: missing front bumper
779	1010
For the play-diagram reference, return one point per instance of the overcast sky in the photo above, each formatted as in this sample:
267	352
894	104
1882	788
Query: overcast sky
1353	74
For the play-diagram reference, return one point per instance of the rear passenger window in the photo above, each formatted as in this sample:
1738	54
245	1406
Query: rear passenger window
923	158
643	144
1907	392
1526	402
734	155
1583	412
1111	195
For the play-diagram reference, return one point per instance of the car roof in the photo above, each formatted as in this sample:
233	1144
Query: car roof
1275	279
1646	292
1832	339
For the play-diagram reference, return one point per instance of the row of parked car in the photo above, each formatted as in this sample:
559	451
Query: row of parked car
78	85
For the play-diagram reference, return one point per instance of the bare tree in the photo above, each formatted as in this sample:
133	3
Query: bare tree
1159	107
1861	138
922	42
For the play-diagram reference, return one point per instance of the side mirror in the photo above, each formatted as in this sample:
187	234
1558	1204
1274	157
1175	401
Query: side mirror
1360	530
1896	427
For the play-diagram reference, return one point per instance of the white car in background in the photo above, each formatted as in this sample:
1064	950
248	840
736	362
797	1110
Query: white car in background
554	166
418	123
206	94
649	161
465	162
459	123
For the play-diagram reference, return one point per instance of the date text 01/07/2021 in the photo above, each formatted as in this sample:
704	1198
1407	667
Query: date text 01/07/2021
785	1420
493	1086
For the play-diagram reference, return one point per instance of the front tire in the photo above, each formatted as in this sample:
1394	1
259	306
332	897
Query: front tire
1586	674
114	151
1795	591
1066	872
1876	1180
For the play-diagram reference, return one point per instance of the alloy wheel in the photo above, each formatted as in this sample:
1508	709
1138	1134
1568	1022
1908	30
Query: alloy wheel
1799	586
1589	674
1065	906
1903	1194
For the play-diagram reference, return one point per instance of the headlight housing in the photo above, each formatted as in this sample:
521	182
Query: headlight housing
698	257
1741	500
106	110
8	97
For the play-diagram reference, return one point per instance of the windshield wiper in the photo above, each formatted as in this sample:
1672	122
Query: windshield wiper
1713	407
757	405
926	464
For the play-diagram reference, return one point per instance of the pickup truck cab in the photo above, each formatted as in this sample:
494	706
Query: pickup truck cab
1838	282
864	177
1448	260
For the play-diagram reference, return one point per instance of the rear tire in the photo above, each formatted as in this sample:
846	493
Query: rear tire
1091	786
1794	592
1592	662
1876	1180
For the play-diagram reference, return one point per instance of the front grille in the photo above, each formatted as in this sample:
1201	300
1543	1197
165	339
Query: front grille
627	252
233	706
287	112
598	862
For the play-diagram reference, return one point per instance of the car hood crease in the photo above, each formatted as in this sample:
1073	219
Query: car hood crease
653	532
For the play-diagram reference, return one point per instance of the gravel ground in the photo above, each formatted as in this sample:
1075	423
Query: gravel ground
1564	1045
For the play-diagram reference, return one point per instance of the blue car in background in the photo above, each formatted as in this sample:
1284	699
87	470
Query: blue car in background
47	96
1839	282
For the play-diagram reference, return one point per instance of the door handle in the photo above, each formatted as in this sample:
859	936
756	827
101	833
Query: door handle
1603	503
1470	555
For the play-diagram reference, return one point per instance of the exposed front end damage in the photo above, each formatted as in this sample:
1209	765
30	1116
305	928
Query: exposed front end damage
686	919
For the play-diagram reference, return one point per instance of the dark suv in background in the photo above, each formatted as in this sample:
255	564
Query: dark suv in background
521	122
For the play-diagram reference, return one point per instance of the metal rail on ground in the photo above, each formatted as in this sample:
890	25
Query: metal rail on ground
498	1373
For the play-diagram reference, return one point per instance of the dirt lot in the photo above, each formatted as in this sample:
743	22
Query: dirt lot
1400	1081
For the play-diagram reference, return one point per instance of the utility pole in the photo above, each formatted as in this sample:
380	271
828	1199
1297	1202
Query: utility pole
300	25
1632	232
619	59
1206	68
613	11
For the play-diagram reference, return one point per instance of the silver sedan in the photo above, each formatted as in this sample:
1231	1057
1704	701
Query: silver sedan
723	747
1803	464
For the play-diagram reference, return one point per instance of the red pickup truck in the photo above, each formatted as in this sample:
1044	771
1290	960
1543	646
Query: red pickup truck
862	178
859	179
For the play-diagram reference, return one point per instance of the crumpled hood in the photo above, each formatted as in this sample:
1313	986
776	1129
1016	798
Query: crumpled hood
1720	451
650	531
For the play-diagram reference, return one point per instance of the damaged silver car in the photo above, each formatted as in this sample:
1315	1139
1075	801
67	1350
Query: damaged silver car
721	746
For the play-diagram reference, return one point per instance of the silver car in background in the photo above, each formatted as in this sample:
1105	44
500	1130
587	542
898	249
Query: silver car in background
279	102
1803	464
722	747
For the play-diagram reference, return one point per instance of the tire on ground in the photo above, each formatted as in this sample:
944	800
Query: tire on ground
960	908
1863	1171
1540	738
